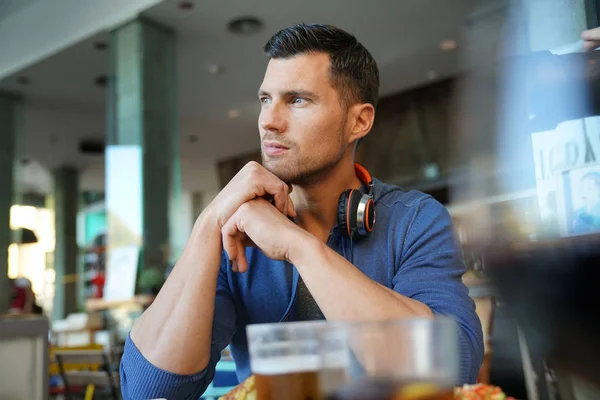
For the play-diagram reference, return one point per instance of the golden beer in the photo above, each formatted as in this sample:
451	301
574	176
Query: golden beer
291	377
285	359
293	386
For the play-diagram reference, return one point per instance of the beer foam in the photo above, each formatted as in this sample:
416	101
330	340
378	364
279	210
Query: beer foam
285	364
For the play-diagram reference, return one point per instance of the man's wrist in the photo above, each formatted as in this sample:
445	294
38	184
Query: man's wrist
302	244
206	224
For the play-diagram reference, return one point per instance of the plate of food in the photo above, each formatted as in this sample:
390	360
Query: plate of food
247	391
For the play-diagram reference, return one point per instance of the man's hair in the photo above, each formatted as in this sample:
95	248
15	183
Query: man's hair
354	72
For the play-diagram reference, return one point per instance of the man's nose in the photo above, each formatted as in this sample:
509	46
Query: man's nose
273	118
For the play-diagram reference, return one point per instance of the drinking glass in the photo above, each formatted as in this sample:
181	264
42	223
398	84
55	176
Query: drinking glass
285	359
414	359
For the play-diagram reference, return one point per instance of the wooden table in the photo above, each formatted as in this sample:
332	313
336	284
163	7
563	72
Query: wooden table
100	304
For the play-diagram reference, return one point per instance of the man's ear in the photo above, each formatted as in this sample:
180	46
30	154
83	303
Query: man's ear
362	116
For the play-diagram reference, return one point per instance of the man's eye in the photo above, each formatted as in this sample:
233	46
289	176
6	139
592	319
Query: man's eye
299	100
265	100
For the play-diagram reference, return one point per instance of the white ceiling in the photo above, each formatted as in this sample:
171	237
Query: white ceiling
403	36
10	7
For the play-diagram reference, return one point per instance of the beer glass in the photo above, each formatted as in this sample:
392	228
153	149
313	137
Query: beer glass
285	360
414	359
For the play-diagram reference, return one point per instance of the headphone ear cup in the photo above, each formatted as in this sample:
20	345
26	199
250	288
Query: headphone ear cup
369	221
348	211
341	215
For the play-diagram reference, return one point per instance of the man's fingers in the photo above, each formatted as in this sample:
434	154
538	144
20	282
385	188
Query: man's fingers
291	209
234	243
590	45
591	34
230	245
242	263
280	196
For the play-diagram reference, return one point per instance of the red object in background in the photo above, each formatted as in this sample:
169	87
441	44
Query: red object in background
18	298
185	5
98	282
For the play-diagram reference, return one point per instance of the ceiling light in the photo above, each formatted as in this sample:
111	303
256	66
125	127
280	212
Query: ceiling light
431	171
233	114
23	80
448	45
185	5
216	69
245	25
431	75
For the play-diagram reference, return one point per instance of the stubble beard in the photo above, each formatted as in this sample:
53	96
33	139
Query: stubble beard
305	171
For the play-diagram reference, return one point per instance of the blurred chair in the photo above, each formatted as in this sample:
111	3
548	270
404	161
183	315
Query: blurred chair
24	356
86	368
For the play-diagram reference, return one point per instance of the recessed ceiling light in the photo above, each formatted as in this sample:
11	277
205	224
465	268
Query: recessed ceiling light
185	5
216	69
233	113
245	25
431	75
448	45
23	80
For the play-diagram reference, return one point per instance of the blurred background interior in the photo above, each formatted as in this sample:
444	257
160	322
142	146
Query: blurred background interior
121	120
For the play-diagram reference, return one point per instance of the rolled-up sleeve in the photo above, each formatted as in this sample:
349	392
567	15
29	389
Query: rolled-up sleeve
140	379
430	269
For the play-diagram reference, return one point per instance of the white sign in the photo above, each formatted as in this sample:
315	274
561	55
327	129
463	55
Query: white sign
572	144
121	272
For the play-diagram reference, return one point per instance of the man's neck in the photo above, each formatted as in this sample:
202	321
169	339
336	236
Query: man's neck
317	203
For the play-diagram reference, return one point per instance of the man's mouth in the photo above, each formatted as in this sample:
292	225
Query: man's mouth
272	148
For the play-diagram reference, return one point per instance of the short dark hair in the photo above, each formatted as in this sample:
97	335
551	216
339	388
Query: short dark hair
354	72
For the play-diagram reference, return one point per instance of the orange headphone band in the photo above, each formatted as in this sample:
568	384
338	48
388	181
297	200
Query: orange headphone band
364	176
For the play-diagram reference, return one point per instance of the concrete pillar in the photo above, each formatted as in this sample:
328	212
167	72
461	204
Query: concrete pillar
66	206
10	113
143	184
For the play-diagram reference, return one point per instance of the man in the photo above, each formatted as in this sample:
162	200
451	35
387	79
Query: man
317	101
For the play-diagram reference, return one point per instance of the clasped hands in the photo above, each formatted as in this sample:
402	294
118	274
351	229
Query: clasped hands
246	218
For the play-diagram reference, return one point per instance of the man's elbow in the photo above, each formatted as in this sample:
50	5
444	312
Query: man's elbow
142	380
422	310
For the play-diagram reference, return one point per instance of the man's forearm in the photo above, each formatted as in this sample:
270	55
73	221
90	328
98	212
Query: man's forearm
174	333
343	292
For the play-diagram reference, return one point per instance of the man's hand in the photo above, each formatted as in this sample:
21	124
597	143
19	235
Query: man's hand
265	226
251	182
591	39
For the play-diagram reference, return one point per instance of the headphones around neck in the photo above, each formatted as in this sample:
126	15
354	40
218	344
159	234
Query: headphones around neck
356	210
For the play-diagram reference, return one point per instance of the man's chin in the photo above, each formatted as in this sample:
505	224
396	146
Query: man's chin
280	169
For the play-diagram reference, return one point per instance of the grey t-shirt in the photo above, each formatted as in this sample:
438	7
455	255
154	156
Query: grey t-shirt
307	308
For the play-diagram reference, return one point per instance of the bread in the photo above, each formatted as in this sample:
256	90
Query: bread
244	391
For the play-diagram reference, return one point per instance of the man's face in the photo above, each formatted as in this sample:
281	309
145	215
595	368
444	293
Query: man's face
302	120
